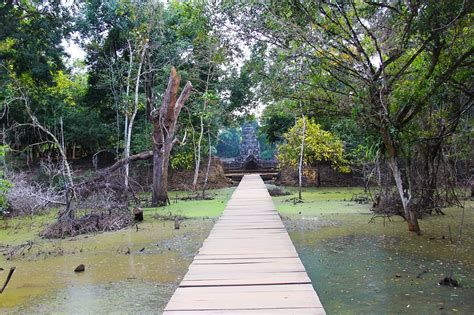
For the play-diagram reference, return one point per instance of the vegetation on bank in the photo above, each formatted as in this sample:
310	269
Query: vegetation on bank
192	208
388	88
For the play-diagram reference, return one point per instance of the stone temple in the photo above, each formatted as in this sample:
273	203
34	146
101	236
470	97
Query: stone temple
249	158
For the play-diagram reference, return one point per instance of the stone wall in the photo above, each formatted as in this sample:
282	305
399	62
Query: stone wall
182	180
328	177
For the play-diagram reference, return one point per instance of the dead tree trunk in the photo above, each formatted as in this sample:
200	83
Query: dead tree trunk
164	125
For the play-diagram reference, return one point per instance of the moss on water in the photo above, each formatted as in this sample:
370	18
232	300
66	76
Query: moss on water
18	230
357	267
126	271
364	275
156	255
380	268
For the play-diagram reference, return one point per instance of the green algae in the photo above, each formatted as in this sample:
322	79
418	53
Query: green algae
135	270
364	275
359	267
132	270
156	255
356	266
17	230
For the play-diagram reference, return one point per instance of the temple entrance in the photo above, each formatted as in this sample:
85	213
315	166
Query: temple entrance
251	163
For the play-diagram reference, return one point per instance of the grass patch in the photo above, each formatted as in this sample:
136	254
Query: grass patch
192	208
320	201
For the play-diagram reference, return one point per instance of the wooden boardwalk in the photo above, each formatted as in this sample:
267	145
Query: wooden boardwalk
248	264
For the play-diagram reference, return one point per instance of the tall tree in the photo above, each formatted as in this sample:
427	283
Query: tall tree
164	122
382	63
207	57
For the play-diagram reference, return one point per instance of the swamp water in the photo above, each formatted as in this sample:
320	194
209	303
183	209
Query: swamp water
379	268
127	271
356	267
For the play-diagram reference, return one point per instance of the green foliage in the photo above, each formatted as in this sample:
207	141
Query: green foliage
382	79
141	137
277	119
32	57
267	149
228	145
182	157
30	38
321	146
85	128
240	90
397	69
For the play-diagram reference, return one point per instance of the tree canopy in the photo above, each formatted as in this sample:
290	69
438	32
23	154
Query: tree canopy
381	83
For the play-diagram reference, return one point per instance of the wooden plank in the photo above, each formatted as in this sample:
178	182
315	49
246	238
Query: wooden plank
246	260
242	297
246	279
270	311
248	264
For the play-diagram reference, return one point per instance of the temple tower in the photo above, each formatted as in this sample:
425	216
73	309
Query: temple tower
249	156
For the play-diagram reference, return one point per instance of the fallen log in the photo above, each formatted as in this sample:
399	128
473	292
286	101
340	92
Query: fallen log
136	157
10	274
85	188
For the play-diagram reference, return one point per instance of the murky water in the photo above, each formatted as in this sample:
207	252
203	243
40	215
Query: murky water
362	268
126	271
356	267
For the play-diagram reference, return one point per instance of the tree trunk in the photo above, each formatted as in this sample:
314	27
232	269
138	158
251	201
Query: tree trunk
160	176
164	126
318	176
402	183
204	186
400	174
198	155
300	164
201	134
430	154
126	152
128	142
